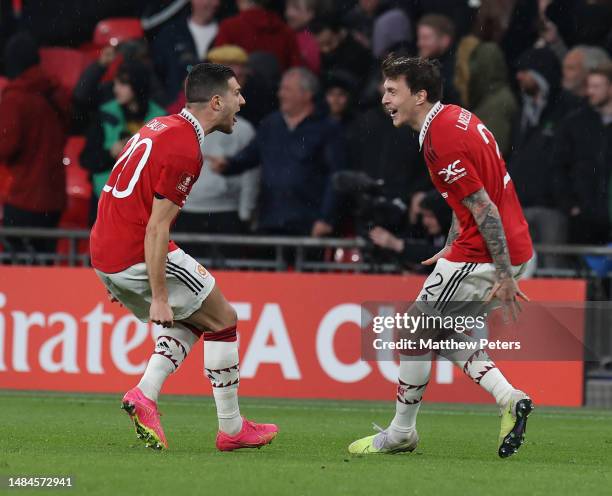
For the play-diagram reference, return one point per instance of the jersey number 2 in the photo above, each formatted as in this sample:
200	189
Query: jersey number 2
481	129
126	167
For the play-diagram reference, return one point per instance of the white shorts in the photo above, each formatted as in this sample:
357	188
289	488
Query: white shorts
459	282
187	281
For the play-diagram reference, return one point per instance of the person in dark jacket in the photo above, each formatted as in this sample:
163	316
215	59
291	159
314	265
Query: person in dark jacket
489	93
435	218
118	120
95	88
183	43
544	105
34	122
583	150
340	51
257	29
299	149
435	40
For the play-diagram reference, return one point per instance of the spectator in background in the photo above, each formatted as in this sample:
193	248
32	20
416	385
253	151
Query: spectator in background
221	204
182	43
340	51
339	93
34	122
95	88
544	105
117	121
392	31
257	90
382	151
360	20
581	21
464	51
576	66
489	93
583	150
435	218
257	29
435	39
299	14
299	149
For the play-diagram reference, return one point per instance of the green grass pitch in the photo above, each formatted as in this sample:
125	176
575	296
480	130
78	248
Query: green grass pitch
88	437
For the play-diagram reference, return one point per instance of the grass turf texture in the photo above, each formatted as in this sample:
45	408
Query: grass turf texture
88	437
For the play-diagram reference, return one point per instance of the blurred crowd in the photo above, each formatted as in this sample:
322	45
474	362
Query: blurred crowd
537	72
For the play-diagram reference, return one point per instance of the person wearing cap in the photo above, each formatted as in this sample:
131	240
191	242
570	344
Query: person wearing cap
117	122
544	105
34	122
258	91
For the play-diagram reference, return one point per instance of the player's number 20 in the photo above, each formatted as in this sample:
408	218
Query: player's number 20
124	160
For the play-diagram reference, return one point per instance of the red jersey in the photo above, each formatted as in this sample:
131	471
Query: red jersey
463	157
163	159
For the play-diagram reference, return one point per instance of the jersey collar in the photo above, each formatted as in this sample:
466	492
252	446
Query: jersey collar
435	110
189	117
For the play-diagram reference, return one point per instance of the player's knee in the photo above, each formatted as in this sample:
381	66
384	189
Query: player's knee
230	316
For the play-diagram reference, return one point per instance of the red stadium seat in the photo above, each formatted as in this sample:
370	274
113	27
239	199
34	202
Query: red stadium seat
114	31
78	189
64	64
3	82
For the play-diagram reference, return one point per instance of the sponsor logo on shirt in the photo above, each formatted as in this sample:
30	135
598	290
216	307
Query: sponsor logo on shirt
452	172
185	183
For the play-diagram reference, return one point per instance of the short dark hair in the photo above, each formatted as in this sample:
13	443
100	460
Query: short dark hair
439	23
207	80
604	70
320	24
420	74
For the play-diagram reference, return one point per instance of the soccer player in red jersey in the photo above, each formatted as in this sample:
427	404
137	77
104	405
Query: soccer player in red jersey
149	274
487	249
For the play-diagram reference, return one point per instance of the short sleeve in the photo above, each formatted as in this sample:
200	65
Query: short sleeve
176	179
456	175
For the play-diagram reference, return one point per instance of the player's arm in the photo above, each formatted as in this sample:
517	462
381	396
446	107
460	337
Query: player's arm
156	250
490	225
454	230
453	233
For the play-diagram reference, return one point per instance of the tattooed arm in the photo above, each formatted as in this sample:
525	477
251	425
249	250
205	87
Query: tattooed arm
454	231
491	228
489	224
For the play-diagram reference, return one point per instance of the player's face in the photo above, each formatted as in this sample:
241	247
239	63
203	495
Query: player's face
232	101
399	102
599	90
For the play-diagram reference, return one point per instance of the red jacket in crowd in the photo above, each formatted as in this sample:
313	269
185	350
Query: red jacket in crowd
259	30
34	121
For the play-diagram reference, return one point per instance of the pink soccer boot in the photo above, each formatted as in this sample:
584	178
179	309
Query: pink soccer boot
252	435
145	416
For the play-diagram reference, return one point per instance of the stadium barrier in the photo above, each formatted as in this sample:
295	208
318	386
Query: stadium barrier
299	338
